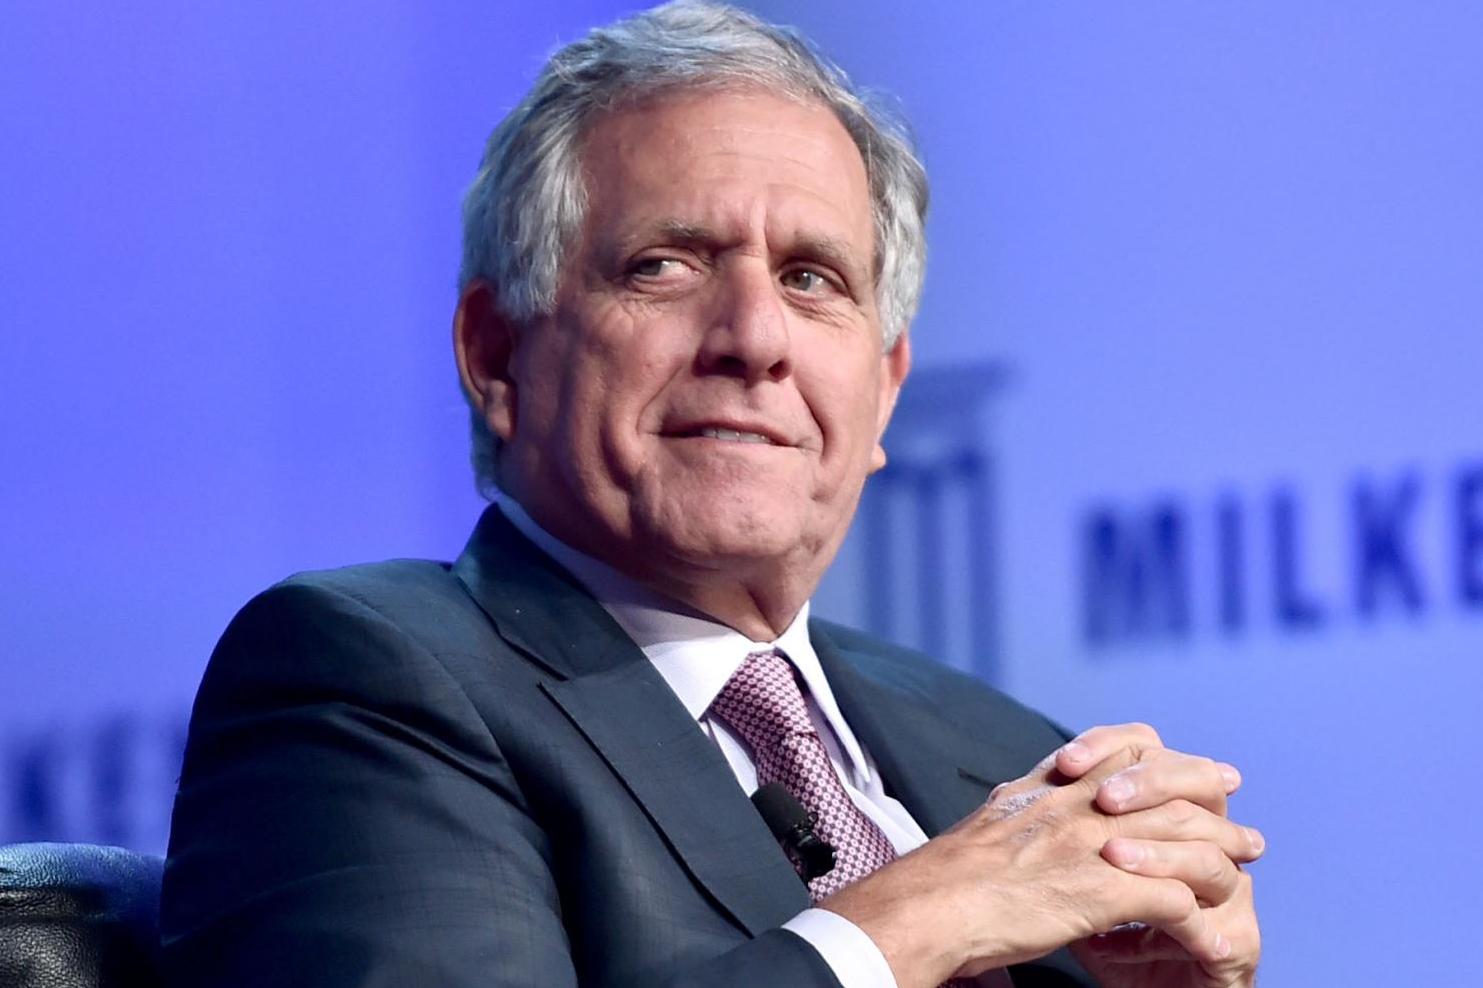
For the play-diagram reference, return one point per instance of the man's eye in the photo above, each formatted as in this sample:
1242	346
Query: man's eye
806	280
656	267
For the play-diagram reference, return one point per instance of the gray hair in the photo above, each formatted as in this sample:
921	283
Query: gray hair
526	205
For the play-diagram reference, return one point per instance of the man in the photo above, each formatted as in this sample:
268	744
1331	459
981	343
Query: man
691	255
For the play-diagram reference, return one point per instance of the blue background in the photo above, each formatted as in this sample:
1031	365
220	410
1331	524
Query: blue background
1191	255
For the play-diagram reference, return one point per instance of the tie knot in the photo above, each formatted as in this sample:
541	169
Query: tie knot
762	701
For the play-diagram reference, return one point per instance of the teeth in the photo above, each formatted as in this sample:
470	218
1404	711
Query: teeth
731	435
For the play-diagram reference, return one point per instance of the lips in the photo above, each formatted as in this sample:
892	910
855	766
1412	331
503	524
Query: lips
735	436
751	433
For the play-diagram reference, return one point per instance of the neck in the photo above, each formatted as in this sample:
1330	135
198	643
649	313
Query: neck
761	611
757	598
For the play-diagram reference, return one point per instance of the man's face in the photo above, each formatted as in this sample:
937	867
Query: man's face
710	392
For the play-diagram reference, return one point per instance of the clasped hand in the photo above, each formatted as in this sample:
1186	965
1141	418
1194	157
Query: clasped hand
1114	845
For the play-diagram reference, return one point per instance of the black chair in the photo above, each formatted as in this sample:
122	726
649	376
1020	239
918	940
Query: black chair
78	916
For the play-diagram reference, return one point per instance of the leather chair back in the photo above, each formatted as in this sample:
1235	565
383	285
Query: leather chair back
78	916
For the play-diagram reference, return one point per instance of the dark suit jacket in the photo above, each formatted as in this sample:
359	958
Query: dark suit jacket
412	773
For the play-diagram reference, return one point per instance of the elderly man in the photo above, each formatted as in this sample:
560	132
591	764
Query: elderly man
691	256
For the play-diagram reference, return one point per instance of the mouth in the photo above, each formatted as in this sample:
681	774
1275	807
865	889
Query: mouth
734	436
734	433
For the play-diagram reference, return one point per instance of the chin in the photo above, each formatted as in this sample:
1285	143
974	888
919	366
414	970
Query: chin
706	530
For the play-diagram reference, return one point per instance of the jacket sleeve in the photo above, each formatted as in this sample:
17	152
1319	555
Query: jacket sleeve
345	818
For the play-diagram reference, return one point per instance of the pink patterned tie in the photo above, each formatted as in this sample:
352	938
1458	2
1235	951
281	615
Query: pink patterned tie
763	703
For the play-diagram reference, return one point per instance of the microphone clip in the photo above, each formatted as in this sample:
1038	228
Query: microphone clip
812	856
793	826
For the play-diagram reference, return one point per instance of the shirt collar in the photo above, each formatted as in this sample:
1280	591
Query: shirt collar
695	653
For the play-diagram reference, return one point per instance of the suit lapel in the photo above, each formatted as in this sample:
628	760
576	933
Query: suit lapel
684	784
621	704
939	770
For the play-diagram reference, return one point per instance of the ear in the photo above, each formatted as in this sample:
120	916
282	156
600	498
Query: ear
483	341
895	364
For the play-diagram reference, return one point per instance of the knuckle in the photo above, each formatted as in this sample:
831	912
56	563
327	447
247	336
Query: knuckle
1177	901
1216	866
1214	778
1011	800
1121	760
1181	813
1187	902
1146	733
1099	741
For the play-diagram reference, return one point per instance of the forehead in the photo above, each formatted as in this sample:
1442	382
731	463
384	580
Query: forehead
743	161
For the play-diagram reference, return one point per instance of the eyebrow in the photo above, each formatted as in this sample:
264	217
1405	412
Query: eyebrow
831	251
686	233
669	231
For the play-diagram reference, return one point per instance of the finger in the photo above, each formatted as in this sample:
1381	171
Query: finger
1136	944
1182	820
1046	772
1173	775
1091	747
1044	779
1171	907
1213	877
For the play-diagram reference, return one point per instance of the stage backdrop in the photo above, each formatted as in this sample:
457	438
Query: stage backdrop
1194	436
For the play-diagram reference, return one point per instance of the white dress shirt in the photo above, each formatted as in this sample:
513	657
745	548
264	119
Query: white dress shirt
696	655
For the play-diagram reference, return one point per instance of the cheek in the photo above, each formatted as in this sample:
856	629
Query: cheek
536	392
632	368
570	366
617	381
852	395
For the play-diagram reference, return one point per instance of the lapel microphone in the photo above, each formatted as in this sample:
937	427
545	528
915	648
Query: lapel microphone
793	826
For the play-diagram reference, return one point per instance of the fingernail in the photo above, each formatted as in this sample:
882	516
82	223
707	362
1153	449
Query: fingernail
1222	946
1231	777
1258	842
1119	789
1075	751
1131	855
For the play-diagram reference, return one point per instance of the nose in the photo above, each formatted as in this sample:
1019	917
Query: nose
747	331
